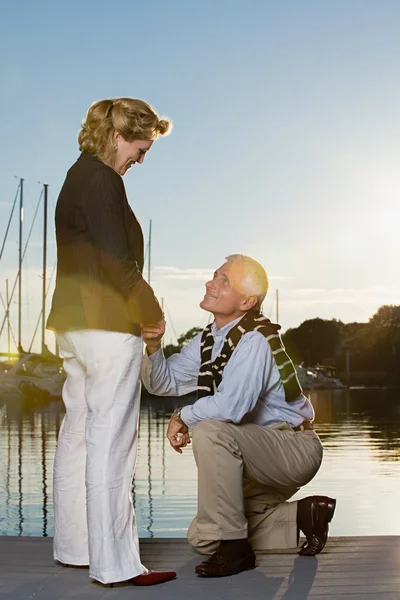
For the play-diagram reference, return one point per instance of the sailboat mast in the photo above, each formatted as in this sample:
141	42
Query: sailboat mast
149	255
162	310
277	305
8	321
45	187
21	218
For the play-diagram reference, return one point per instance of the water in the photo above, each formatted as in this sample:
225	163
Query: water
360	430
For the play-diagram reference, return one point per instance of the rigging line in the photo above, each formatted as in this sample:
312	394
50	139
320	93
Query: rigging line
23	256
9	221
172	325
11	329
41	311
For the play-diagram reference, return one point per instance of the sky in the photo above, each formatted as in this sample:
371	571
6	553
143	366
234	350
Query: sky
285	143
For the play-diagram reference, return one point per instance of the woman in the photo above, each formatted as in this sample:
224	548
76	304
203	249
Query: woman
99	301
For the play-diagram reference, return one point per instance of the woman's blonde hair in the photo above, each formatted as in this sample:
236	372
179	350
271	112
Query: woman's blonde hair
132	118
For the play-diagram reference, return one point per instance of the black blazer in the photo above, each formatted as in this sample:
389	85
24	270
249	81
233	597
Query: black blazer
99	255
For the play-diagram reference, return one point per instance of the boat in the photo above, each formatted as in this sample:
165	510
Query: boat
320	377
33	376
27	374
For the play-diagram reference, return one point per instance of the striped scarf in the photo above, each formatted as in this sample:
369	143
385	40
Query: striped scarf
210	374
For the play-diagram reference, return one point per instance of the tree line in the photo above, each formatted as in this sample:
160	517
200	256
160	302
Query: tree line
372	347
361	352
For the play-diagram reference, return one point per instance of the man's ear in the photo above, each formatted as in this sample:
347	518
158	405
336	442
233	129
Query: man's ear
249	303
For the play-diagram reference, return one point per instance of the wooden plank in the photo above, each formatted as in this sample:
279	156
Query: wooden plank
354	568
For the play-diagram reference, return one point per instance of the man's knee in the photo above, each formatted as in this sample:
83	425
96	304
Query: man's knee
206	433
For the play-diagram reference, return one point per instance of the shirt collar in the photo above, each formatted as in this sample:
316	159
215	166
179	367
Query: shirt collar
225	329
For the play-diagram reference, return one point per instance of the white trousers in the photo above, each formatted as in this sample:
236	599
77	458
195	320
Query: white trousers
94	520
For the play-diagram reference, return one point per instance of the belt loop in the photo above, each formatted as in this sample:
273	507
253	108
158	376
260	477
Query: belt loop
304	426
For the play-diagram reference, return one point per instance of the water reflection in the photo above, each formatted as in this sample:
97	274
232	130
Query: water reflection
374	411
360	430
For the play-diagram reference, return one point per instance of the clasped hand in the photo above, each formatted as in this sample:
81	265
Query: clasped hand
152	334
177	432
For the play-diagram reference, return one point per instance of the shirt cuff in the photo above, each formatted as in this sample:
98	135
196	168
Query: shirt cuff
187	416
157	358
150	366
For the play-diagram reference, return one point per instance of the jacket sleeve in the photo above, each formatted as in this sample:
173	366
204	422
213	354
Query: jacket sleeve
103	207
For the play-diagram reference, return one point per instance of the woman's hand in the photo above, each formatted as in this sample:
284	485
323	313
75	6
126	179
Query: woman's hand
152	335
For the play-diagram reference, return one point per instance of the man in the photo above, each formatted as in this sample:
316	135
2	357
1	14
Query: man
253	439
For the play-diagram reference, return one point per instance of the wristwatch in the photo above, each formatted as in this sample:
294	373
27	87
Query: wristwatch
177	415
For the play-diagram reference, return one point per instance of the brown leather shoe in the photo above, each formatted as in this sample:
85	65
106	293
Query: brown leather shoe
224	564
322	510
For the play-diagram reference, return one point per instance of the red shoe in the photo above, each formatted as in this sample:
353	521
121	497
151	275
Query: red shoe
154	577
151	578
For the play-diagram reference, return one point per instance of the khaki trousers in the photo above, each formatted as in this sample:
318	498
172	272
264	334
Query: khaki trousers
245	475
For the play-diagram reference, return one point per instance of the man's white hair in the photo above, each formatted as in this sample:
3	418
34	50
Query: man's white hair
255	280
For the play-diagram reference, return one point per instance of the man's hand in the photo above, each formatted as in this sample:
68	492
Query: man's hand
178	434
152	335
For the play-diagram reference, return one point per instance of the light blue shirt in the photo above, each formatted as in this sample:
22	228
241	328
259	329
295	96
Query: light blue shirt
251	390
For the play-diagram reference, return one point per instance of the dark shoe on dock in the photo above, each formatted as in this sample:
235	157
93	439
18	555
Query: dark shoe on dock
230	558
321	511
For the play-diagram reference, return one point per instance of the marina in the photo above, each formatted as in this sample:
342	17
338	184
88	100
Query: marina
360	431
135	158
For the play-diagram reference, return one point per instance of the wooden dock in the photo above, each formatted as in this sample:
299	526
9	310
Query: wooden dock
357	568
